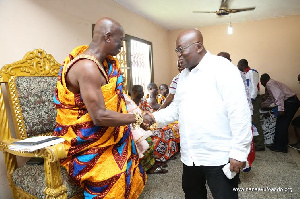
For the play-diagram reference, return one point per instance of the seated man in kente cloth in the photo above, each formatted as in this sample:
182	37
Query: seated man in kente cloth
92	118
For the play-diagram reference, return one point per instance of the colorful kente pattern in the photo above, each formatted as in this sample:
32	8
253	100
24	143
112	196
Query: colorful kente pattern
160	99
148	160
163	139
103	160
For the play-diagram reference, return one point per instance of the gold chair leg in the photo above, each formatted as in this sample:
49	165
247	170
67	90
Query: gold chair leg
11	165
54	184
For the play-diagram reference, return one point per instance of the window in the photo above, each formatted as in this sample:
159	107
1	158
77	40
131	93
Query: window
139	61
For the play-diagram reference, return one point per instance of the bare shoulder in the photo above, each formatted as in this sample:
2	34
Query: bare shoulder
84	72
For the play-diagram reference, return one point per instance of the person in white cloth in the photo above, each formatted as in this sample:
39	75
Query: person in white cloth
214	118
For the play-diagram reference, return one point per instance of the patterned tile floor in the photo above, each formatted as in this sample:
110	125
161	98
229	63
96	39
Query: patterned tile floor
271	170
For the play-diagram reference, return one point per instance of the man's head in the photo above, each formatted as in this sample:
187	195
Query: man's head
225	55
264	78
242	65
137	91
163	89
108	37
152	89
189	48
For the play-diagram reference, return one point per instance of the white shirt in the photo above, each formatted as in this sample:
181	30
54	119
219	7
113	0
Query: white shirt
243	75
252	78
213	113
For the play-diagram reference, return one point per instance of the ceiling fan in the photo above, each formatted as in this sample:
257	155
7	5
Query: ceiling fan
224	10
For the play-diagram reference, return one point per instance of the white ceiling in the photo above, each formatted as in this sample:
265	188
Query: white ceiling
177	14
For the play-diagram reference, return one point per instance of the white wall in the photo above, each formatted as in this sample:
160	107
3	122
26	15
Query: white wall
58	26
271	46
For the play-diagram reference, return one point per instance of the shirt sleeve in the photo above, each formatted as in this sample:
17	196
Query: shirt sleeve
167	115
277	95
239	116
173	85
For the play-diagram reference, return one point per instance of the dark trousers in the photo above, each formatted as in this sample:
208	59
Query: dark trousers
259	140
194	179
291	106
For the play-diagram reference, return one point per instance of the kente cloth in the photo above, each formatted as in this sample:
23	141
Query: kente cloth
174	126
164	141
160	99
148	160
103	160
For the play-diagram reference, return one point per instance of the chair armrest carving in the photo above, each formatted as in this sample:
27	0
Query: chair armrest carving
55	152
51	153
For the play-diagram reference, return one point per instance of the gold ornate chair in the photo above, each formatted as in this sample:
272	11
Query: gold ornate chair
30	85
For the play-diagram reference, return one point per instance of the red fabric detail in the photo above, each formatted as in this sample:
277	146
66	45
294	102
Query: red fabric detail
247	69
251	155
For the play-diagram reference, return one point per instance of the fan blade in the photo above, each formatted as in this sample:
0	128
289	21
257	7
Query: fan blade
240	10
205	11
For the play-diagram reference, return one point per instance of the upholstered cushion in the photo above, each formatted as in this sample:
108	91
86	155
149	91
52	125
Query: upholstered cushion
36	101
31	178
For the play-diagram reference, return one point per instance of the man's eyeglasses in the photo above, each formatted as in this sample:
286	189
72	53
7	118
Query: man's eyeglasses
181	49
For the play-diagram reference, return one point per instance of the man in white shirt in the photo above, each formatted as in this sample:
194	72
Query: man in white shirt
214	119
252	79
243	75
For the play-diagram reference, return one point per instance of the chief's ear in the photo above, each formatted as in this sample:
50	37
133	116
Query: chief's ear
107	37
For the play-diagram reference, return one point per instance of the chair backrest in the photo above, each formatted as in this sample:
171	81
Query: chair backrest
30	84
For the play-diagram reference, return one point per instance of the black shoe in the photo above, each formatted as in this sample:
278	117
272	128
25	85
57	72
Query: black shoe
295	146
273	148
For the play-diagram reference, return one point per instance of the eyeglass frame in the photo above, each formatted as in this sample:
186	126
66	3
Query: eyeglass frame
181	49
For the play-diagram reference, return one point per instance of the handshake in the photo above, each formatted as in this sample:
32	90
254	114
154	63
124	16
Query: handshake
149	122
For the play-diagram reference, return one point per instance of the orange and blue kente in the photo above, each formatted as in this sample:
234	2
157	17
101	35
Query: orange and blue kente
103	160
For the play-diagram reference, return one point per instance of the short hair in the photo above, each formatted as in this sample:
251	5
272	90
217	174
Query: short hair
225	55
243	62
265	77
165	86
150	85
136	88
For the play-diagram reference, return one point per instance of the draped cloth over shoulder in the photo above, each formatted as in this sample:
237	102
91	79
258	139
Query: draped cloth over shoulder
103	160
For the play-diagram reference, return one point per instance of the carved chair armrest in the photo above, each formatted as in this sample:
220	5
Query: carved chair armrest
50	153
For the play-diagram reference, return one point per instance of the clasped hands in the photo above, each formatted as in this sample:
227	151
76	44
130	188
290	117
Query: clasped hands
148	120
